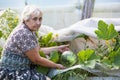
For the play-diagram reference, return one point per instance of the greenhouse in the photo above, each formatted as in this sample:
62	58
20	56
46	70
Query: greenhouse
77	39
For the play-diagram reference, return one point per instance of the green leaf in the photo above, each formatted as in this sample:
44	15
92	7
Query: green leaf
46	40
52	44
112	32
87	57
42	54
84	55
43	70
90	64
94	57
54	56
48	37
107	62
117	43
105	31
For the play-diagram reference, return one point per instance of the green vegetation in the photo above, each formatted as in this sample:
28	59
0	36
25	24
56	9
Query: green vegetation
106	54
8	21
54	56
87	58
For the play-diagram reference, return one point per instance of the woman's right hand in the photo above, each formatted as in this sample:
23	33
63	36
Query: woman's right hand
60	66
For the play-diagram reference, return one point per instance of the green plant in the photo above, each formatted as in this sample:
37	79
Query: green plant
111	36
76	74
54	56
47	40
105	31
87	58
8	21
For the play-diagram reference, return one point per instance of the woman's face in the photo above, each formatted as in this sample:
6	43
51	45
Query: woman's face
34	22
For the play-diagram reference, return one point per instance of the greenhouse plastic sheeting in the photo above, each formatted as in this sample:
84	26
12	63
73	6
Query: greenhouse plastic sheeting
99	70
86	26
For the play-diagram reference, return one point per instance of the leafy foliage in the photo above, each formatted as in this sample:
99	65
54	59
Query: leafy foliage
87	58
111	36
46	40
112	60
105	31
117	43
41	69
8	21
106	54
54	56
76	74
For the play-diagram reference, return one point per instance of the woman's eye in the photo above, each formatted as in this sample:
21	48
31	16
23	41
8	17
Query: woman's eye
40	18
35	18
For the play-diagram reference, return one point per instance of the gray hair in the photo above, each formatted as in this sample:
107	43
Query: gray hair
28	10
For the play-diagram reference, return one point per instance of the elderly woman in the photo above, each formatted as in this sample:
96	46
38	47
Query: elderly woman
22	50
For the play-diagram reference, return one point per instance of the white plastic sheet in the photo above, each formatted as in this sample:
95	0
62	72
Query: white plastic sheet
99	70
86	26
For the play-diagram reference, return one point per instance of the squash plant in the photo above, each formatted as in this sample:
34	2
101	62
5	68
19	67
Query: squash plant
111	36
107	54
88	58
47	41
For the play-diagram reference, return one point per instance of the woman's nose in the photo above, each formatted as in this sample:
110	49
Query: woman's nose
38	22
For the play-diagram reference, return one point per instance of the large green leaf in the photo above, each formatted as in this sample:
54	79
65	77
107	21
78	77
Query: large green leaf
41	69
48	37
87	57
46	40
54	56
90	64
84	55
105	31
42	54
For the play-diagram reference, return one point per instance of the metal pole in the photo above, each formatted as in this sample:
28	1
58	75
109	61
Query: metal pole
87	9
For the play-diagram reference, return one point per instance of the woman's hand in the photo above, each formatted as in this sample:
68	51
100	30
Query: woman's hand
63	48
60	66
